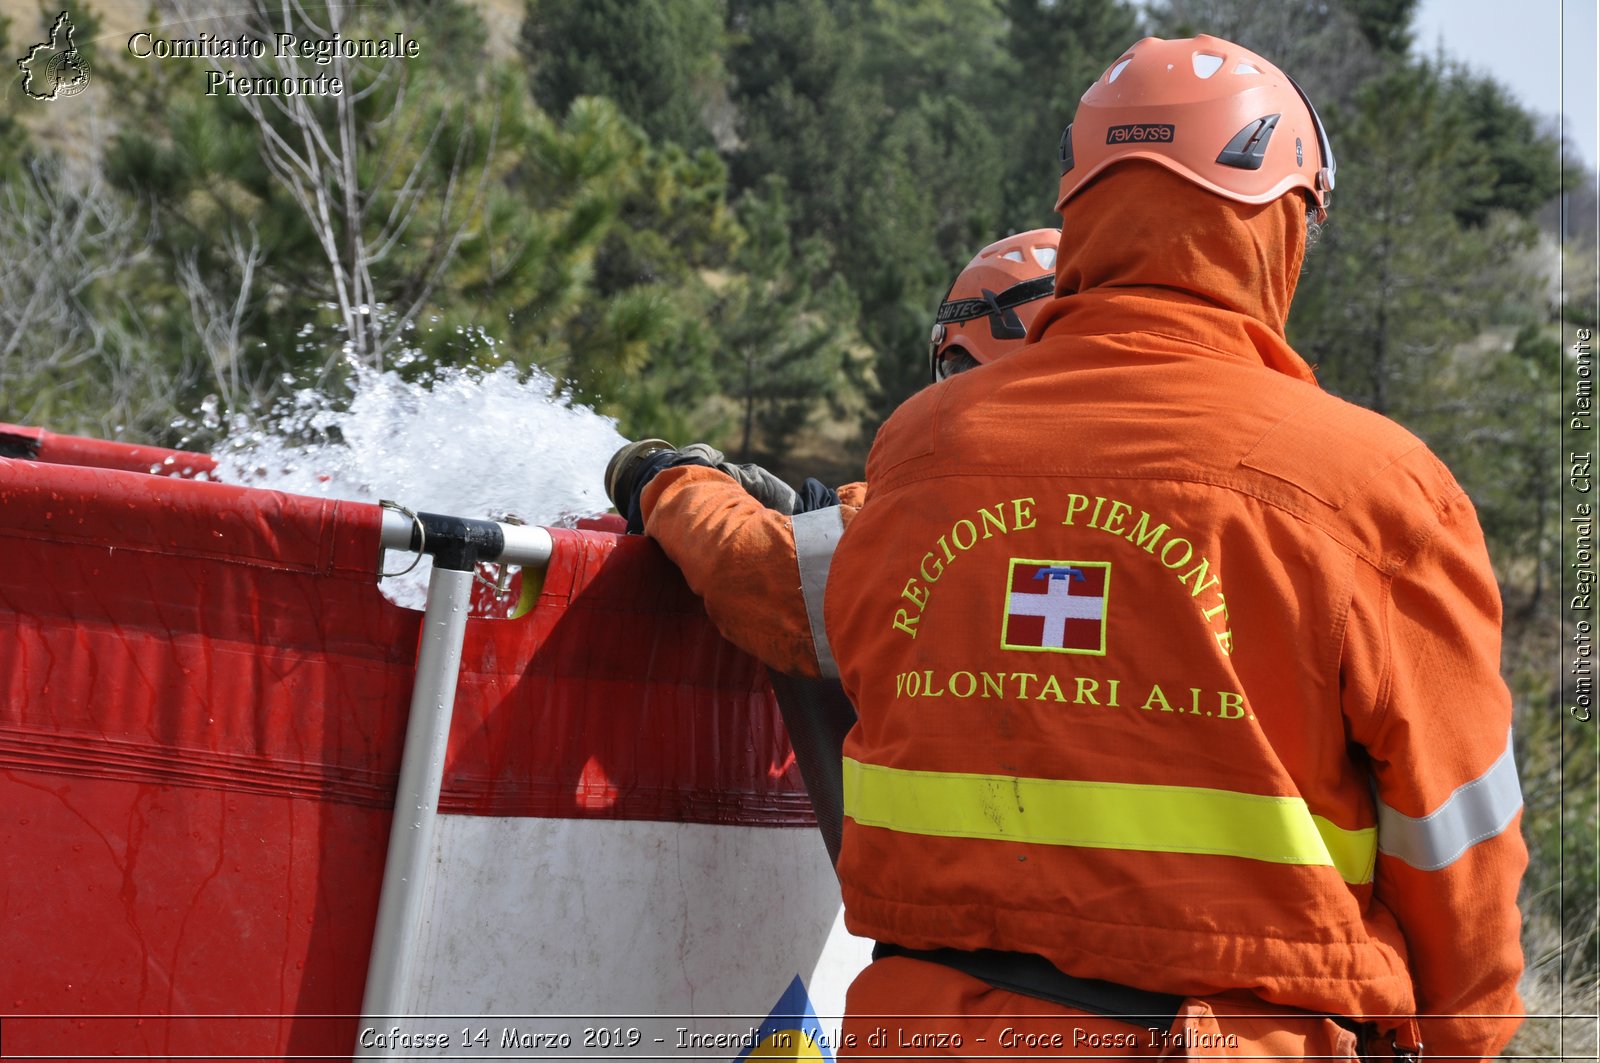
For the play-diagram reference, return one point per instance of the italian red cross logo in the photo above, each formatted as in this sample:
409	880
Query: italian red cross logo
1056	606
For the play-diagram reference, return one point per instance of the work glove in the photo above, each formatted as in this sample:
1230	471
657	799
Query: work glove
763	487
635	465
760	484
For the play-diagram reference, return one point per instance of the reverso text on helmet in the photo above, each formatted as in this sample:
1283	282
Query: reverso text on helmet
1144	132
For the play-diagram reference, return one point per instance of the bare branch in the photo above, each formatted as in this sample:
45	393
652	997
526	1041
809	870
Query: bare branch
220	327
318	153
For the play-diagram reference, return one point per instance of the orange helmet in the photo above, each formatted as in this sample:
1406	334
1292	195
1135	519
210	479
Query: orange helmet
1212	112
987	309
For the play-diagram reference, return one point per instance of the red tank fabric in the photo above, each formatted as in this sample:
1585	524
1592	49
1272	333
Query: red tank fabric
203	698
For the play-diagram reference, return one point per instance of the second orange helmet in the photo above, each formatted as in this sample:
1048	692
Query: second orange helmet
988	308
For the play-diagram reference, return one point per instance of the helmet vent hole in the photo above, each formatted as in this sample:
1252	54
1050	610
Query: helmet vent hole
1206	64
1013	255
1117	70
1045	256
1245	68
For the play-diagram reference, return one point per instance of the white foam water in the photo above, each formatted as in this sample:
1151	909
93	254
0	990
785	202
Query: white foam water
463	441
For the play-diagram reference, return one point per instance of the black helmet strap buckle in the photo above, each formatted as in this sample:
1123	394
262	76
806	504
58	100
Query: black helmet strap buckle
1004	324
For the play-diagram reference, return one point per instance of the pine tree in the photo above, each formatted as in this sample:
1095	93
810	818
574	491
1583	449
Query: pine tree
783	335
657	60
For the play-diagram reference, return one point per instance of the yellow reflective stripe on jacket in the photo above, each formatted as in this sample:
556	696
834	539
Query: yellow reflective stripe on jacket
1101	815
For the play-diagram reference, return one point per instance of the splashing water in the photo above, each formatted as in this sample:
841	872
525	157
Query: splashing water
466	442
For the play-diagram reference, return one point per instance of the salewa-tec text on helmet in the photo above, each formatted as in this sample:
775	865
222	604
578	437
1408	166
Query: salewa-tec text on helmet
988	308
1212	112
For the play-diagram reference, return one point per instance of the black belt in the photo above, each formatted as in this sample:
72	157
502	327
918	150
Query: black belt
1035	976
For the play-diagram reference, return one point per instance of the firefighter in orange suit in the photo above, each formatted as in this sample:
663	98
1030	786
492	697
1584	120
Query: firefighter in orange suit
1177	677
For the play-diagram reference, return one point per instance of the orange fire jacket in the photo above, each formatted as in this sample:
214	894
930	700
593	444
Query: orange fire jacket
1169	666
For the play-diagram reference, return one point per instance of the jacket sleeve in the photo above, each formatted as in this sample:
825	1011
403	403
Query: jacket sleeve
742	559
1425	656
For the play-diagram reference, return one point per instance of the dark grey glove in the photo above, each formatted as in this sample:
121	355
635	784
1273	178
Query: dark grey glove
762	485
635	465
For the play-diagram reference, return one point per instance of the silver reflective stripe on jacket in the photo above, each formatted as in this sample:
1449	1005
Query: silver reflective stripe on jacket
815	536
1476	811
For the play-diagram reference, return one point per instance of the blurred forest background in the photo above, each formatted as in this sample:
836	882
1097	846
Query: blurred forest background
732	220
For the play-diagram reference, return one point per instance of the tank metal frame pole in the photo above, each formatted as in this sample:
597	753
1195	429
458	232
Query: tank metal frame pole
416	804
457	545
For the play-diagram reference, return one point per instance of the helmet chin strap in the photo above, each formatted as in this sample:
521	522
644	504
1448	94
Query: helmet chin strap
1330	166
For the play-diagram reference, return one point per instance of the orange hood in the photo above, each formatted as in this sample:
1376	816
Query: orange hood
1141	233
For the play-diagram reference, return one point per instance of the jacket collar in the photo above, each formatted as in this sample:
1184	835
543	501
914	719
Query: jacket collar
1145	251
